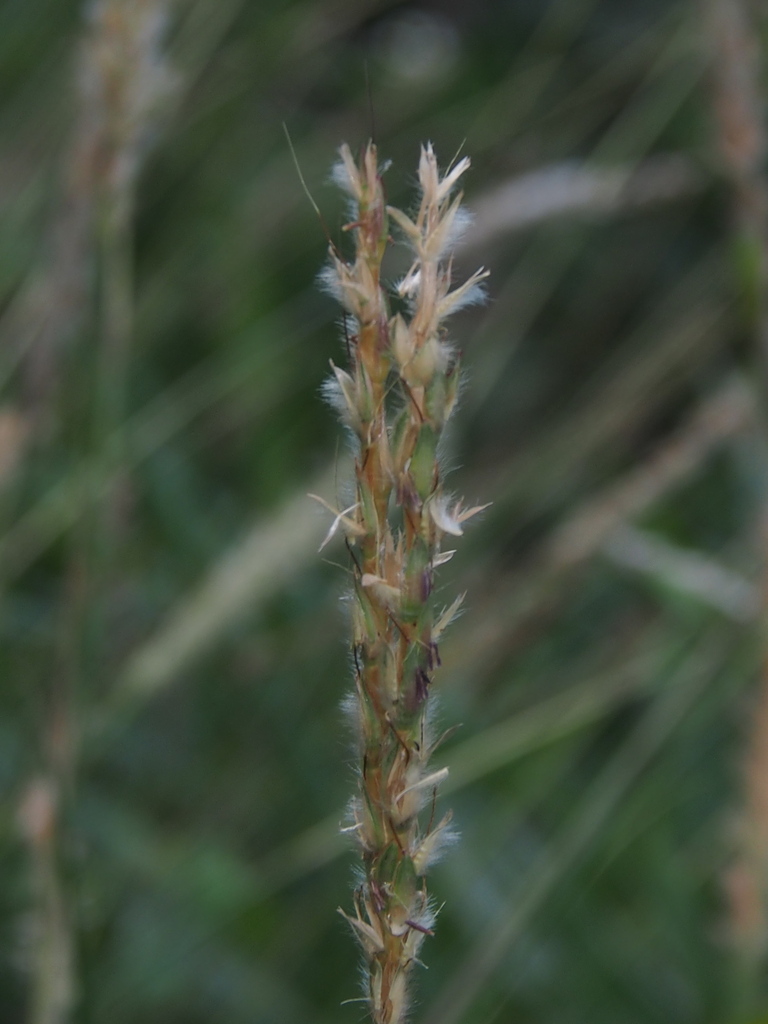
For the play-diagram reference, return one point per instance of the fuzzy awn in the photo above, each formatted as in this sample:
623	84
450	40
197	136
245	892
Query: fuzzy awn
396	398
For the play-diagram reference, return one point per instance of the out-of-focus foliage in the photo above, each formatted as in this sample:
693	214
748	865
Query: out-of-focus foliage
173	756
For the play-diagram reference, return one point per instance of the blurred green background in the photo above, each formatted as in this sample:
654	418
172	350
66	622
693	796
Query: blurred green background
174	762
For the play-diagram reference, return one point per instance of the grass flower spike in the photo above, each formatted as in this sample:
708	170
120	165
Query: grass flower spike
396	397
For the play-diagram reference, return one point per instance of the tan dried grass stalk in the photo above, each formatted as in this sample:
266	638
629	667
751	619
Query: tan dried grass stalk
123	81
396	397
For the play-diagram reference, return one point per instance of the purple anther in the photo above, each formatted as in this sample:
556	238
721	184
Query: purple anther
422	685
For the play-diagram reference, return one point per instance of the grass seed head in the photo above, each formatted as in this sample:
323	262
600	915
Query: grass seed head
396	396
